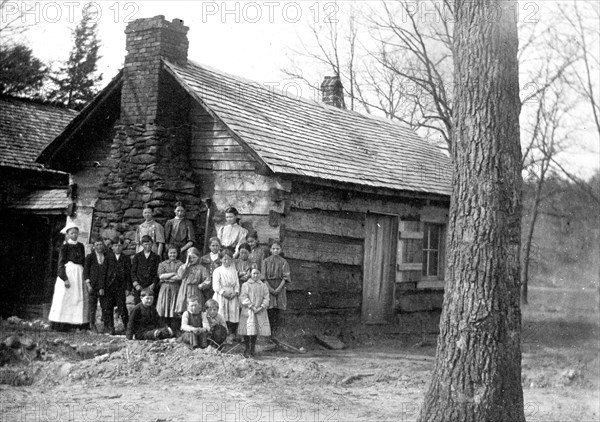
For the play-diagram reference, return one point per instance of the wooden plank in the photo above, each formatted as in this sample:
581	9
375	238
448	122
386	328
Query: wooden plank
256	202
220	156
201	142
419	301
319	251
330	342
212	149
409	276
410	235
318	277
207	167
337	202
325	222
248	181
409	266
432	214
300	300
431	284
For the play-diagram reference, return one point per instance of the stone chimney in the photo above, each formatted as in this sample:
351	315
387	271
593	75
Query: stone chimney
147	41
332	91
149	151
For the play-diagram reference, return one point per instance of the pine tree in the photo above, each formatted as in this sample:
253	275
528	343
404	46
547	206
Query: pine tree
76	81
21	73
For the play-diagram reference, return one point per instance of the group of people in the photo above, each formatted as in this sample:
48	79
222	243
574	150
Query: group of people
237	289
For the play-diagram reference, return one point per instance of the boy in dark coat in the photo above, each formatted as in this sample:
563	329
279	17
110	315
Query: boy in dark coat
120	285
144	269
97	270
144	323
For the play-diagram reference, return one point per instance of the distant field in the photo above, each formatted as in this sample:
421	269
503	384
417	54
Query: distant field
580	302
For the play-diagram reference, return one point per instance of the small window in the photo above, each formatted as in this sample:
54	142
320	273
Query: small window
433	251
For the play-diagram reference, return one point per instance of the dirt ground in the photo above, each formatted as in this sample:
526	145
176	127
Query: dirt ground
85	377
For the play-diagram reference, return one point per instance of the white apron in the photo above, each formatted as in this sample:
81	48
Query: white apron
70	306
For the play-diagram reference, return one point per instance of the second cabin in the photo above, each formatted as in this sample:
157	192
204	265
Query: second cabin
359	202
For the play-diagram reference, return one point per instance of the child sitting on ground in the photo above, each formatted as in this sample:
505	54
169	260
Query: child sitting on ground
144	320
253	318
216	323
194	328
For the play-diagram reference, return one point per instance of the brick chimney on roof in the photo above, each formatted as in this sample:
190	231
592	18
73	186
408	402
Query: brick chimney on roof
332	91
147	41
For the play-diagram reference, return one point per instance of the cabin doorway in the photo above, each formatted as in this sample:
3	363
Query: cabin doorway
381	237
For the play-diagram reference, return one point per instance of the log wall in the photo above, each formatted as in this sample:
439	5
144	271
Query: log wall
323	235
228	175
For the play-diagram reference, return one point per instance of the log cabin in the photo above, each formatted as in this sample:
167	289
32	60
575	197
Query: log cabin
34	202
359	202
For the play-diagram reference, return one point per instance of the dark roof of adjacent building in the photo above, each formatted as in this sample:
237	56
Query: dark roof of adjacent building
46	201
300	137
26	128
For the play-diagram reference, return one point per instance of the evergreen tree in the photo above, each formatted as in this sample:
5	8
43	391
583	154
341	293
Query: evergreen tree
21	73
76	81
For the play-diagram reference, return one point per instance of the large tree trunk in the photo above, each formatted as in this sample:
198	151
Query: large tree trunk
477	376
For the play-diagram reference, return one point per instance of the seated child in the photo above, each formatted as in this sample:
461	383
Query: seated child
144	320
194	328
253	318
215	322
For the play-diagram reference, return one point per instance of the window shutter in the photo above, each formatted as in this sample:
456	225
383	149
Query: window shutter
409	259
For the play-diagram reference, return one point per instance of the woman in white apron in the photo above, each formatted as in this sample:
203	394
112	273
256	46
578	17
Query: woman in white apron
70	300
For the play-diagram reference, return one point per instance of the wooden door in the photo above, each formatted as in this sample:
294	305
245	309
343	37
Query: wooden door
379	268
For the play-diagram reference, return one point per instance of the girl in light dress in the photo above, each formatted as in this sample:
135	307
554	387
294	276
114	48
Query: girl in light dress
226	286
254	320
153	229
232	235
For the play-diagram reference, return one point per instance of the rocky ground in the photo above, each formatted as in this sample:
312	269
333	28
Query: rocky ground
55	376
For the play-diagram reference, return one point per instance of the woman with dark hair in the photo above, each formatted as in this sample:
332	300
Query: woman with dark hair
232	235
70	300
179	232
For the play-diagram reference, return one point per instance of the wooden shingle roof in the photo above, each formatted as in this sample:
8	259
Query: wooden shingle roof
26	128
300	137
43	200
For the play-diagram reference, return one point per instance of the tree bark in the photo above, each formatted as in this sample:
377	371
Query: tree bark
477	376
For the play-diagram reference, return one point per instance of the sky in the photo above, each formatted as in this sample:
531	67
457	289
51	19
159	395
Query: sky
249	39
252	39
